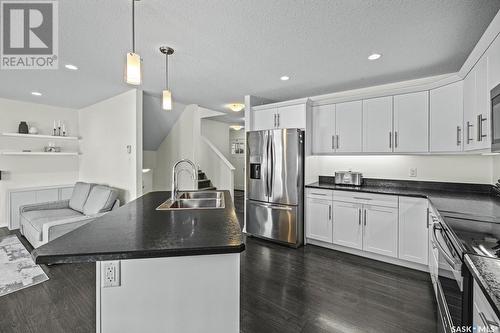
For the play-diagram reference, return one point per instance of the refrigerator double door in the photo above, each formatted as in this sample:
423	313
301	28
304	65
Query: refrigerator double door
275	164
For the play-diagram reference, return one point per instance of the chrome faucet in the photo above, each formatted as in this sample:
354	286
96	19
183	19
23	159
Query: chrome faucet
175	175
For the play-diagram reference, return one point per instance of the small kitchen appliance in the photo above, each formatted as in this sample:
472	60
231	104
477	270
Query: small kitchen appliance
348	178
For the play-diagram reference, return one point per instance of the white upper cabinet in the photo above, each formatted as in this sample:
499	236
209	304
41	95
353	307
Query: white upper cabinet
494	64
323	135
477	107
289	116
446	118
411	119
377	125
264	119
292	116
381	230
348	127
413	231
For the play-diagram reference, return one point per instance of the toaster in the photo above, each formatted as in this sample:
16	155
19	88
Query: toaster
348	178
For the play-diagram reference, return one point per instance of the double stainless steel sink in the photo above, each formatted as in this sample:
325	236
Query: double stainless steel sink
195	200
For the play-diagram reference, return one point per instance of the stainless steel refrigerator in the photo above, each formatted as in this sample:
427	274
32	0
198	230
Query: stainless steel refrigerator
275	183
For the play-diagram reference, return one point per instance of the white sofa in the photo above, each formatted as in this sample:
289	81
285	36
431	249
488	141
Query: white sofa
43	222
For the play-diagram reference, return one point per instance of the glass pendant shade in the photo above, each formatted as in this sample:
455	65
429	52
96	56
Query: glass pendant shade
167	100
133	70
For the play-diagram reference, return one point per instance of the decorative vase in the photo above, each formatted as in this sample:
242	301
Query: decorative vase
23	128
33	130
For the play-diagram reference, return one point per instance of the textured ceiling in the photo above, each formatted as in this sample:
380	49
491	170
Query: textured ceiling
225	49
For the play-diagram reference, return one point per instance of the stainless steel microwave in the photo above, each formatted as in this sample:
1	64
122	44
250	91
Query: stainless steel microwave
495	119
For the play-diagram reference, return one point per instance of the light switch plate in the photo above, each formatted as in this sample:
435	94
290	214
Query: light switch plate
413	172
110	273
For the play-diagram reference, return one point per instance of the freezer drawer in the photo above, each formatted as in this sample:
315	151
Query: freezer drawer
276	222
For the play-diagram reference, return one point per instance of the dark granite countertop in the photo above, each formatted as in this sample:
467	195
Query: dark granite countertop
138	230
458	200
486	272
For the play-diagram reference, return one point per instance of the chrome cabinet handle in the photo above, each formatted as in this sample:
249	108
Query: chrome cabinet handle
469	125
333	141
318	193
360	198
365	217
337	141
359	216
428	218
275	120
488	323
278	120
330	212
390	139
480	121
459	136
395	139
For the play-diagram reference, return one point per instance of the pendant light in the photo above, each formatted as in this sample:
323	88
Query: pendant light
167	94
133	69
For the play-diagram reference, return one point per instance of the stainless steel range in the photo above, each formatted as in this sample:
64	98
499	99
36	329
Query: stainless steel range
275	182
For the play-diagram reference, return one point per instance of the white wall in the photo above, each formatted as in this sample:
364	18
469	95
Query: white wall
107	128
217	133
459	168
34	171
178	144
238	161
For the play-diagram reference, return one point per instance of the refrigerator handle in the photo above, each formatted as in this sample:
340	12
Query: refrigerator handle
271	158
267	173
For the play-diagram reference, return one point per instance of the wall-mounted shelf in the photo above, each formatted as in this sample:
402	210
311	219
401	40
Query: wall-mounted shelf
39	136
38	153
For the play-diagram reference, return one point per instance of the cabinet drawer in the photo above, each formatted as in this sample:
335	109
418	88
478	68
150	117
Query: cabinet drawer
367	198
318	193
483	313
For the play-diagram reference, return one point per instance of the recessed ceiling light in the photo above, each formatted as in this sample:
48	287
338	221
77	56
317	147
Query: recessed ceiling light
284	78
71	67
236	127
236	107
374	56
145	170
36	93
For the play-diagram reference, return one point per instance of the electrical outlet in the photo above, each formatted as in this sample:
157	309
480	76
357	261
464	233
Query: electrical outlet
413	172
110	274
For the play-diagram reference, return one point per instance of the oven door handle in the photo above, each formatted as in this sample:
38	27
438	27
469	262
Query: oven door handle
446	256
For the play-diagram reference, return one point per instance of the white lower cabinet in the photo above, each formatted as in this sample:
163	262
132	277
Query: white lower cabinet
413	231
385	225
319	219
483	315
380	230
347	224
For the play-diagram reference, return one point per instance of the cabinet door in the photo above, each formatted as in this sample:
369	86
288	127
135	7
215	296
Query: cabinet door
293	116
413	232
348	124
380	230
323	129
264	119
411	122
377	125
347	224
483	315
319	220
469	110
483	105
494	64
446	118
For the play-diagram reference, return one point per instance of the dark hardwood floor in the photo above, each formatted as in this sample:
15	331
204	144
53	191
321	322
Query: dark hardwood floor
239	205
282	290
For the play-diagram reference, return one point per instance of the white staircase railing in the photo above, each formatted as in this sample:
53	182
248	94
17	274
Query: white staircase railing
216	166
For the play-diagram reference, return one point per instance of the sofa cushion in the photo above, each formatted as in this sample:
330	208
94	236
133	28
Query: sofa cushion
37	218
100	200
80	194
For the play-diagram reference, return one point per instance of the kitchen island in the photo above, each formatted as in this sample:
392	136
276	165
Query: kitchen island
159	271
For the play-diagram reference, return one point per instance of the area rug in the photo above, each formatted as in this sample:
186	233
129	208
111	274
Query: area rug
17	269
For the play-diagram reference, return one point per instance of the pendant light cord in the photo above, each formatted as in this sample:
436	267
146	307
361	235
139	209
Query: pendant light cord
166	71
133	26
